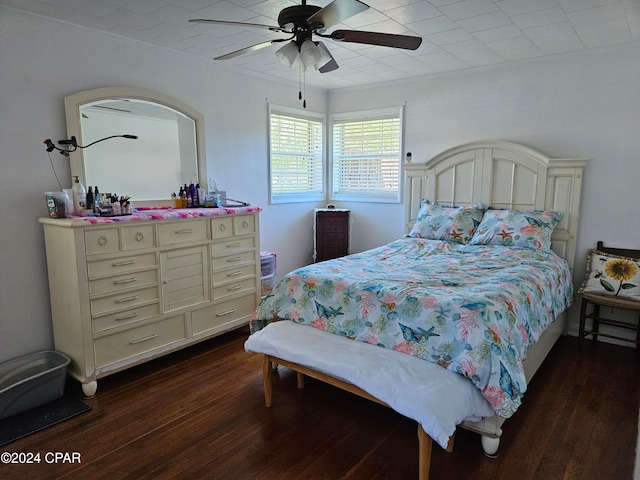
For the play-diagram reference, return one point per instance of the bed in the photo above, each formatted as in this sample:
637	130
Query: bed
447	324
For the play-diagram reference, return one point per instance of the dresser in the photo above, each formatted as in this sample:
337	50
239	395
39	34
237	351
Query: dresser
332	233
126	292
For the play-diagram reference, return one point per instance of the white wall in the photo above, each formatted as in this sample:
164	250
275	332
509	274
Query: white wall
585	105
580	105
42	61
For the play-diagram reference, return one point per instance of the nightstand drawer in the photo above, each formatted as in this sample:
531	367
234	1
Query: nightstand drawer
123	345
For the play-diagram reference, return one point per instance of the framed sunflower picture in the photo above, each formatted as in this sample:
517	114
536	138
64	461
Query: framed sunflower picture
612	275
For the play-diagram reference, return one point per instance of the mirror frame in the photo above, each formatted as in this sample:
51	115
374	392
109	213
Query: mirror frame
73	102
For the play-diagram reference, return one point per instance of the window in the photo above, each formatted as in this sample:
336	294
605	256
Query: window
366	156
296	155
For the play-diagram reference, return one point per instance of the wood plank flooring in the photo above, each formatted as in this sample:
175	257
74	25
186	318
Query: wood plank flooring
199	414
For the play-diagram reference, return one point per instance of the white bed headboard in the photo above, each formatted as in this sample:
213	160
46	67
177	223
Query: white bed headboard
502	175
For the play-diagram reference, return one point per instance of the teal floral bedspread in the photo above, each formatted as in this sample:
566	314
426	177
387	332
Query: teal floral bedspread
474	309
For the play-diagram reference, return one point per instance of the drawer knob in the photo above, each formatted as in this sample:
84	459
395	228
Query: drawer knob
186	230
127	316
222	227
245	224
125	280
227	312
102	240
139	236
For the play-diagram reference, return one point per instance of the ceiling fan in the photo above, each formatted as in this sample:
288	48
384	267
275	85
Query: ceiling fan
304	21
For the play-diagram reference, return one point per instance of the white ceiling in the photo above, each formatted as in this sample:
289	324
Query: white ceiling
457	34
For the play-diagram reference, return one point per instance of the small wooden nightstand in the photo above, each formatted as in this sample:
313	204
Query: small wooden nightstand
332	233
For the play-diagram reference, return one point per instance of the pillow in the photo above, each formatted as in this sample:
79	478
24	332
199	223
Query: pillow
528	229
612	275
448	223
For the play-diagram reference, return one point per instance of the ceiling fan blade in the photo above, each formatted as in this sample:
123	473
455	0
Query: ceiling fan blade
375	38
336	12
252	48
331	65
237	24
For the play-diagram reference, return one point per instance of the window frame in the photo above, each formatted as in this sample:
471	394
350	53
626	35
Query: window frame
369	197
305	196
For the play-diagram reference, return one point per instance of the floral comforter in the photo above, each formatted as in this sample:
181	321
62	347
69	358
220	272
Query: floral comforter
474	309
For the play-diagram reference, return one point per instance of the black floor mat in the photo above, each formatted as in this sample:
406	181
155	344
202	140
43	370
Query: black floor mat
39	418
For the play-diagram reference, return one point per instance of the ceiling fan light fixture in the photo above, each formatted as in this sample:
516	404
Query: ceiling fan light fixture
288	54
310	54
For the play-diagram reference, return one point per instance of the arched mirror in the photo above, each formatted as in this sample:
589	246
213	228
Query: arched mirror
168	152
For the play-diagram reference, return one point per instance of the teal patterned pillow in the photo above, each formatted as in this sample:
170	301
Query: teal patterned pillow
451	224
527	229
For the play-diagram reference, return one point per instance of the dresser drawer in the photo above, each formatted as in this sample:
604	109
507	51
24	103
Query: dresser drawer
224	227
221	227
123	300
234	288
233	274
124	318
244	224
233	245
139	340
123	282
122	264
219	263
138	236
182	232
102	240
224	313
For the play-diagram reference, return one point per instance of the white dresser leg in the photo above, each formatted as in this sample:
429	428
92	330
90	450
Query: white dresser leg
89	388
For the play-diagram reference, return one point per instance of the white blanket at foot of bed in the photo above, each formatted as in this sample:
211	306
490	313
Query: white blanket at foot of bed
425	392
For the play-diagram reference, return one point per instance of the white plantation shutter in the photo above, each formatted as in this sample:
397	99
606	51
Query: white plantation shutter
366	156
297	156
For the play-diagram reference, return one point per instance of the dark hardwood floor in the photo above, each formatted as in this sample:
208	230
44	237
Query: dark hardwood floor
199	413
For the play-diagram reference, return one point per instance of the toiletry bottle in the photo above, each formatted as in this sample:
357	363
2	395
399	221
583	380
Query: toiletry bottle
96	200
89	205
79	196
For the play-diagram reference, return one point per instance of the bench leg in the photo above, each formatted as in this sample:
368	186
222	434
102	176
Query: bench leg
424	453
266	378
